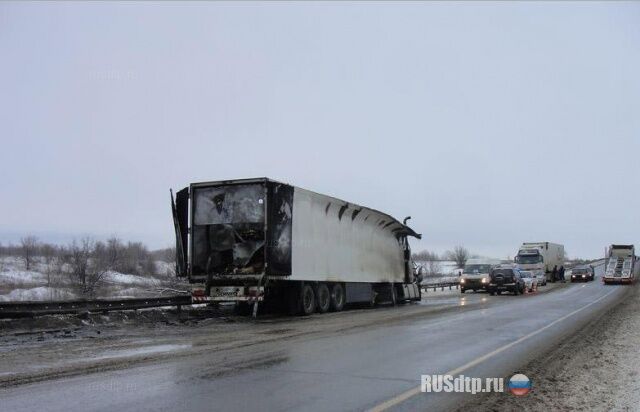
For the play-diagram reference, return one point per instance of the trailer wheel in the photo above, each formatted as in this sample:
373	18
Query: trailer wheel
323	297
308	300
337	298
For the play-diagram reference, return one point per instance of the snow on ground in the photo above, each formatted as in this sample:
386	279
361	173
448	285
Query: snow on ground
38	293
17	284
444	267
124	279
126	293
22	277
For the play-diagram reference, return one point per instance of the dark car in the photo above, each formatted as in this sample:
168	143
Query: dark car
505	280
583	274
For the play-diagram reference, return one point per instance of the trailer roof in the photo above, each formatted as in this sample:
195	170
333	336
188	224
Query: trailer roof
402	229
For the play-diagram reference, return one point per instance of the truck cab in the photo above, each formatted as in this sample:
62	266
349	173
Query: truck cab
540	257
530	260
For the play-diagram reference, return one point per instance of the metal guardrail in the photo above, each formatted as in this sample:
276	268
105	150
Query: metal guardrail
32	309
440	285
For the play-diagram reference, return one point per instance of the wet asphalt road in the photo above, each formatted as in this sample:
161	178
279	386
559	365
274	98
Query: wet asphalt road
356	369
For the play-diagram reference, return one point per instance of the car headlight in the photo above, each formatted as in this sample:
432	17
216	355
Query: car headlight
462	280
484	280
584	276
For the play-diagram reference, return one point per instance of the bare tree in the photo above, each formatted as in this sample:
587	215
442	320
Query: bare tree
28	249
48	252
150	268
78	260
425	256
459	254
433	268
105	259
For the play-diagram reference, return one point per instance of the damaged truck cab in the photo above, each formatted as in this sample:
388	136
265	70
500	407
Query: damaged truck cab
252	240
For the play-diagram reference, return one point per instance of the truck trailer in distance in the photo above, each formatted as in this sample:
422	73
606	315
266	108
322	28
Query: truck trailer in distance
540	257
621	265
254	240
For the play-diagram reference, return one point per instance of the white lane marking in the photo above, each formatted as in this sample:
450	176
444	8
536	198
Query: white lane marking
412	392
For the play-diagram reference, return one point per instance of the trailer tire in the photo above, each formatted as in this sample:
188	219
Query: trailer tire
307	300
323	298
337	298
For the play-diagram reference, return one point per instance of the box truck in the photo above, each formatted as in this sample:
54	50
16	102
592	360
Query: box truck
540	257
255	240
621	264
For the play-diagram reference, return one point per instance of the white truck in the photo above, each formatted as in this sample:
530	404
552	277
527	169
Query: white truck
475	275
540	257
255	240
622	264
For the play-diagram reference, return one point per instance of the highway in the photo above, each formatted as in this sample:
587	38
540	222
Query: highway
347	361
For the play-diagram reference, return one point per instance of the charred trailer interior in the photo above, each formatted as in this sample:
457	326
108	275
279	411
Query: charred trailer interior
258	240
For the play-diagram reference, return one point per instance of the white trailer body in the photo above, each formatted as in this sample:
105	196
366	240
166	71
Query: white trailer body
243	240
540	256
359	247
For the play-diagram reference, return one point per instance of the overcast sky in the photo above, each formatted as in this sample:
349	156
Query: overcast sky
489	123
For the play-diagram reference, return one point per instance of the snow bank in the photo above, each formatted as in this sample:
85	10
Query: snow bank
39	293
22	277
445	267
129	293
124	279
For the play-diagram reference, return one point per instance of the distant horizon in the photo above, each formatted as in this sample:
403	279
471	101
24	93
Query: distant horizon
62	239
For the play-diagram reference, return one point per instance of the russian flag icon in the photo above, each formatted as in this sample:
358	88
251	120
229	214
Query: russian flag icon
519	384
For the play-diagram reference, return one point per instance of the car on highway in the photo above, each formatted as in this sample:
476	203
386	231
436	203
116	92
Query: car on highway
475	275
505	279
540	277
582	274
530	281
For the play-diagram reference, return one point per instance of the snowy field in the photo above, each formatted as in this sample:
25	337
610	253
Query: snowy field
44	282
439	267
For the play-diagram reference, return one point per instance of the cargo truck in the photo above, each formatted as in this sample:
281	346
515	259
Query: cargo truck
540	257
621	265
259	240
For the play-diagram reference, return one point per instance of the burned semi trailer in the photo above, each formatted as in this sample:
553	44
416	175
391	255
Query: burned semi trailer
253	240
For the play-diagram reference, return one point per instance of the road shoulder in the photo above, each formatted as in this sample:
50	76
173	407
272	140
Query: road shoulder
595	369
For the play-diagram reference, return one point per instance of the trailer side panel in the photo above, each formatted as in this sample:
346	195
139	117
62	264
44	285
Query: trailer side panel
340	242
